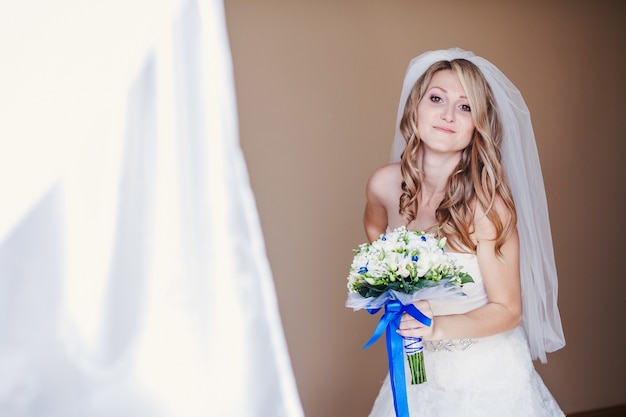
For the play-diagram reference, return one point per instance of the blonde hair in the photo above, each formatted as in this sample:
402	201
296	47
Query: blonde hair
479	177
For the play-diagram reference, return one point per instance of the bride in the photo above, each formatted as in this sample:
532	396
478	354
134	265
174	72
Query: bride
466	164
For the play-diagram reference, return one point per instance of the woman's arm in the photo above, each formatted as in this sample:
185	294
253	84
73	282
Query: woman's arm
375	218
501	277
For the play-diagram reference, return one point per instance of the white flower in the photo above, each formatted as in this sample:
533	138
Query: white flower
404	271
440	258
424	263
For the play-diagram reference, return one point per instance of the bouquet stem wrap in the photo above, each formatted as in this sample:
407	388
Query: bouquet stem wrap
390	322
414	349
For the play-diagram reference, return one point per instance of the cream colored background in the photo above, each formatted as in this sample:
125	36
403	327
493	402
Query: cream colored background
318	84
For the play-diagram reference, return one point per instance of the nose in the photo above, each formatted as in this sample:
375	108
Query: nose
447	113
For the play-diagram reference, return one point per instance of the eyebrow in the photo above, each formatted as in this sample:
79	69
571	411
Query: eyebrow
445	91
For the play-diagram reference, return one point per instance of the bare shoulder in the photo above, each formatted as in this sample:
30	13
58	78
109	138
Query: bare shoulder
383	191
385	178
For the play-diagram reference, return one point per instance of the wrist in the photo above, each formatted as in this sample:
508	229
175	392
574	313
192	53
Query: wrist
435	329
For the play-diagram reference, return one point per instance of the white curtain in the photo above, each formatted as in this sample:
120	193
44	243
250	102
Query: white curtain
133	274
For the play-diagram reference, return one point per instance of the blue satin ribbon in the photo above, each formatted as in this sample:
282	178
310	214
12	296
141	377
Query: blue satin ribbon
390	322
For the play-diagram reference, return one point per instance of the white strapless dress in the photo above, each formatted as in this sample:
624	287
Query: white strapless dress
483	377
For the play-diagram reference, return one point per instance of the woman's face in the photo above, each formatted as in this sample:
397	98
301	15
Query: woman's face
444	118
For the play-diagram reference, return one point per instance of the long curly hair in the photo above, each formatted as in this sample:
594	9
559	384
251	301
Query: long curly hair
479	178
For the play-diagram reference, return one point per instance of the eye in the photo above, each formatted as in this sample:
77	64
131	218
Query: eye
466	107
435	99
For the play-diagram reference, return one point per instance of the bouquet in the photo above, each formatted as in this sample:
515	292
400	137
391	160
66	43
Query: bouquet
393	271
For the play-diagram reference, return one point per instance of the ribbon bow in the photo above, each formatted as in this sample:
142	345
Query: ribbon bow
390	321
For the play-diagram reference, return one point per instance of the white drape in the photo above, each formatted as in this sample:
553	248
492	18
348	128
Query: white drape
133	275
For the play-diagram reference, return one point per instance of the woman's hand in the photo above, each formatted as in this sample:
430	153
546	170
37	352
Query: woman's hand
410	327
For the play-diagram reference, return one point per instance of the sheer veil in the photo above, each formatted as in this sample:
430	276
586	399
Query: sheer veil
541	320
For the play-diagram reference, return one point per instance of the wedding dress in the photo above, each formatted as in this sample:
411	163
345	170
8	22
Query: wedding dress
483	377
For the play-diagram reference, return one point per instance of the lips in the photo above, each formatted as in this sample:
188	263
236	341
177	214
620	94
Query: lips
443	129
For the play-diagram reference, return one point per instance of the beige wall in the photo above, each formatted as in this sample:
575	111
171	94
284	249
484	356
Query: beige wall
318	83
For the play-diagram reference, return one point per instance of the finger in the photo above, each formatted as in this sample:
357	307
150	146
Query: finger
410	325
410	332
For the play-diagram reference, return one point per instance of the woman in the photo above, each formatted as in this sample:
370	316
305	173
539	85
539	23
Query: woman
465	134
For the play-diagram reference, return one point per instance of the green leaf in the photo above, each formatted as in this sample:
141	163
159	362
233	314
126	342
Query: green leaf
465	278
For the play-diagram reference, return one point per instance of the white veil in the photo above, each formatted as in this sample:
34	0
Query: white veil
541	320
